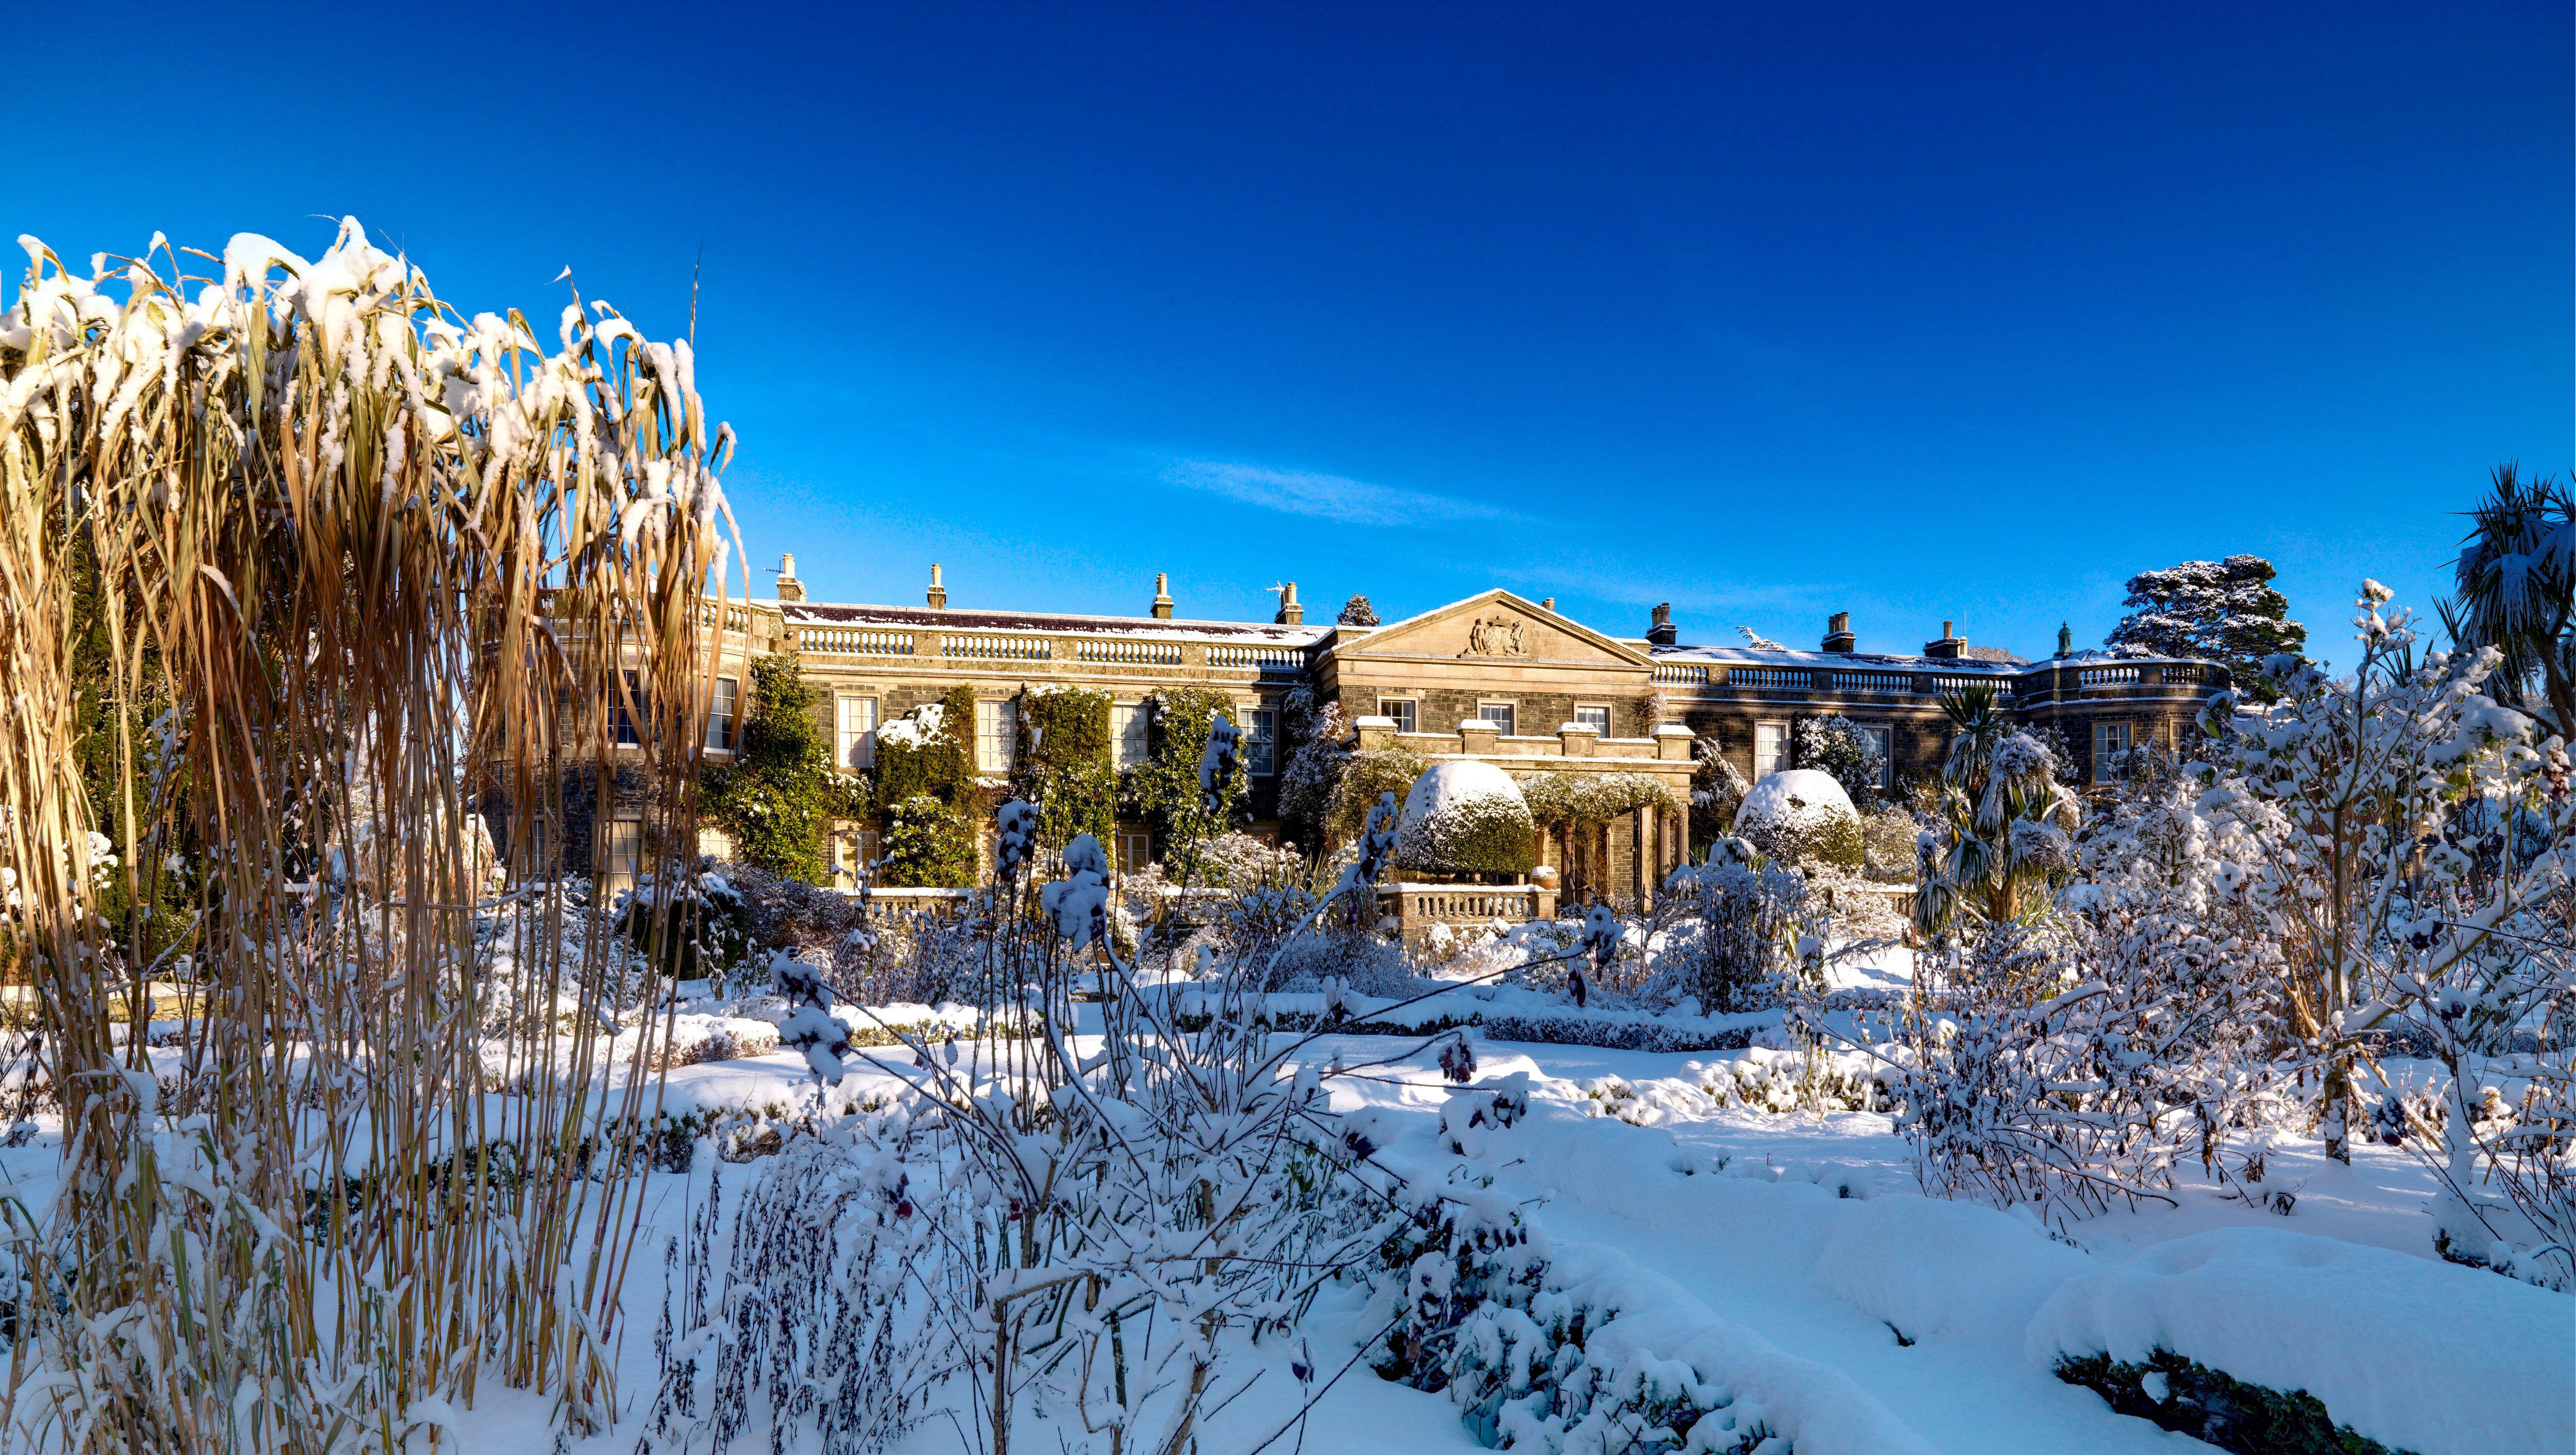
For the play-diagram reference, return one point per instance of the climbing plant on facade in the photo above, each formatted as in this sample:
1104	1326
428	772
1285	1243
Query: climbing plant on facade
1166	789
778	797
1065	766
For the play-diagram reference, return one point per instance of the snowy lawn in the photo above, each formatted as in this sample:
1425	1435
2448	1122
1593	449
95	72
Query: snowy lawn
1791	1249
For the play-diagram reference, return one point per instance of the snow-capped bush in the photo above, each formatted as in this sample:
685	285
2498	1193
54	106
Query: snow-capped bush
1466	817
1835	746
1240	861
1801	816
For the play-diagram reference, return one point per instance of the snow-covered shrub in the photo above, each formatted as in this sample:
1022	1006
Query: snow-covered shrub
693	926
1717	790
1835	746
1314	776
1801	816
1466	817
1240	861
1889	836
2406	856
822	1321
2297	1327
1734	933
1364	779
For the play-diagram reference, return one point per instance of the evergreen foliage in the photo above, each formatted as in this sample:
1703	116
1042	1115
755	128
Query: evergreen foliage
2213	1406
1358	612
2220	611
1591	798
1836	747
1308	789
779	795
1363	779
2005	822
931	750
929	844
2516	587
1165	788
1065	764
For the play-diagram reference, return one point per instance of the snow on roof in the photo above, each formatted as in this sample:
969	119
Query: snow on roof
1790	657
1143	628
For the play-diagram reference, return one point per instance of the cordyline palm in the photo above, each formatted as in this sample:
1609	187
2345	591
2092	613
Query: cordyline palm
2516	587
1996	780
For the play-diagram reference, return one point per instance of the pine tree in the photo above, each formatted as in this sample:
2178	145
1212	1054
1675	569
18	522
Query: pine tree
1358	612
2220	611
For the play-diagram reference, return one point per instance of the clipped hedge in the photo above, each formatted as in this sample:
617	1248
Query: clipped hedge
1590	798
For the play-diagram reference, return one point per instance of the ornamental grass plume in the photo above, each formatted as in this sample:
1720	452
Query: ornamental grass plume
379	566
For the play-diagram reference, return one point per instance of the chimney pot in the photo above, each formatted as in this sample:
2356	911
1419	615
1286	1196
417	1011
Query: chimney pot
1291	612
938	596
1547	603
789	588
1951	643
1162	596
1838	633
1662	632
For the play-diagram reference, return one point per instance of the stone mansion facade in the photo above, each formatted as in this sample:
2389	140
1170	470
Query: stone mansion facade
1495	677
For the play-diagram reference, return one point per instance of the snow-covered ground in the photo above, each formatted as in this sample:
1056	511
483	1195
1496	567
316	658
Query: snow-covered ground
1796	1252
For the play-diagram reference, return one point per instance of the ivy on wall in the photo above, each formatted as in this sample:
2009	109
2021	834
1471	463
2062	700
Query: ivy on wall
1065	765
928	845
1590	798
1165	787
779	795
926	779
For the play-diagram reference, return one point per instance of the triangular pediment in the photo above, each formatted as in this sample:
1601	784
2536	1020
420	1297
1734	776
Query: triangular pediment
1493	626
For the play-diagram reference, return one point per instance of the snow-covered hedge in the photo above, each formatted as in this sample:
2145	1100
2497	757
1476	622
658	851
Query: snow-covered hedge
1800	816
1466	817
1628	1030
2415	1354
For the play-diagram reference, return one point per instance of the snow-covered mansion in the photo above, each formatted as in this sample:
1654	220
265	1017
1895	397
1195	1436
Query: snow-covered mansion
1494	677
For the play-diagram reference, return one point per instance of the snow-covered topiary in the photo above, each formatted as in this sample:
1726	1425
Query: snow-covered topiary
1801	815
1466	817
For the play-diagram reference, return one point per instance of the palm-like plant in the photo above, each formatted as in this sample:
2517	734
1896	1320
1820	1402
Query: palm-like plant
2006	821
2516	589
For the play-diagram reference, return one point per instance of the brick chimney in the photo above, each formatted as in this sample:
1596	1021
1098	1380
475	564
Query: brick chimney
1951	644
1290	612
1162	596
1661	631
1838	633
789	588
938	596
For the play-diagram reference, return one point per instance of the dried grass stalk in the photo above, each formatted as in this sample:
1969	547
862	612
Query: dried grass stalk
363	568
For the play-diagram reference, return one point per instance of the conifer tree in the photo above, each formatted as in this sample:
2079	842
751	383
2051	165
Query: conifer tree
2219	611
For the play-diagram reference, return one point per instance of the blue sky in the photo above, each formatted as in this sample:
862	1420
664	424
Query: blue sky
1956	312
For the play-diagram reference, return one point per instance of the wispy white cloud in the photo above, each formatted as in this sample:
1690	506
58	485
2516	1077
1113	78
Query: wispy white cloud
1330	497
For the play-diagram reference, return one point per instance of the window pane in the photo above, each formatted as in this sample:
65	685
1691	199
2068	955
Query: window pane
1770	749
996	726
627	737
1598	717
721	712
857	748
1127	724
625	855
1885	738
1262	748
1402	709
1498	713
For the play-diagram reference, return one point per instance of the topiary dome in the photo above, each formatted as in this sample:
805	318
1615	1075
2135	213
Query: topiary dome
1801	815
1466	817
